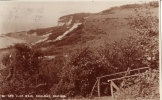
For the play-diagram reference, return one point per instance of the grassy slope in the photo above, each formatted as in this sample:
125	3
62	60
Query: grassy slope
105	26
96	29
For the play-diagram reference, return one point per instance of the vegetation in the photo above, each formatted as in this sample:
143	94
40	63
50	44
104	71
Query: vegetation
24	72
74	74
146	86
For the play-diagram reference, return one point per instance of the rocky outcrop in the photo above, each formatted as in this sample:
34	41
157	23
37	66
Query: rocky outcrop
65	21
69	20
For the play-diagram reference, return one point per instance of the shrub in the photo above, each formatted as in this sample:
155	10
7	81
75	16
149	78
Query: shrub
145	87
24	75
79	75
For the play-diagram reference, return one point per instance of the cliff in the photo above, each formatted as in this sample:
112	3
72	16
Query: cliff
69	20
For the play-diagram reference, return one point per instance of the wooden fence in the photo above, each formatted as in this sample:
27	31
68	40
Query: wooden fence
112	83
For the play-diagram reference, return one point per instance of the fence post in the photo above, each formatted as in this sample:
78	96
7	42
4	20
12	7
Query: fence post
111	87
98	79
93	89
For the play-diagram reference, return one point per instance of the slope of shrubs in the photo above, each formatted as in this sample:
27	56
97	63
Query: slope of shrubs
139	49
73	74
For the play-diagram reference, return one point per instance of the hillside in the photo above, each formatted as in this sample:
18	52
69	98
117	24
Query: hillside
94	30
69	58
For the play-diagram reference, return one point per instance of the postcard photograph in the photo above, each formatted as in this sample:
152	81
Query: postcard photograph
80	50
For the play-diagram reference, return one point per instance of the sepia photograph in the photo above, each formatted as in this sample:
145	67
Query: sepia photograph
80	50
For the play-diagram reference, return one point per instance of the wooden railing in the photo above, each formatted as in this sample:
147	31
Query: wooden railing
111	80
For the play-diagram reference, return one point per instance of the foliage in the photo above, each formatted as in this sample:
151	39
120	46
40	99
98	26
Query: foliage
146	33
145	86
52	67
139	49
78	76
83	67
144	22
146	27
24	71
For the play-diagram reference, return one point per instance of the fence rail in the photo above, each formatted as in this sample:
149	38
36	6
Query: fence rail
123	72
112	84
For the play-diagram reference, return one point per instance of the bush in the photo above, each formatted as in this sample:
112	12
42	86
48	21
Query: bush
84	66
79	75
24	75
145	87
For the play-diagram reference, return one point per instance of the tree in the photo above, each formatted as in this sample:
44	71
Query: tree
23	65
79	74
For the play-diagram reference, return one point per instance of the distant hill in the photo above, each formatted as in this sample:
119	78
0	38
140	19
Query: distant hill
84	29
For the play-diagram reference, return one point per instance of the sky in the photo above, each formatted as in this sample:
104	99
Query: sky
23	15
